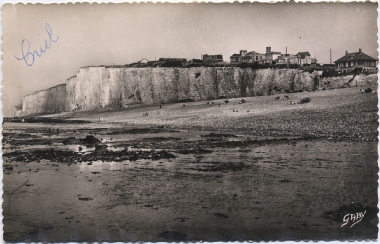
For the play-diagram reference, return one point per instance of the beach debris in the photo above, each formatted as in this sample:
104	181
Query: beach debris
241	101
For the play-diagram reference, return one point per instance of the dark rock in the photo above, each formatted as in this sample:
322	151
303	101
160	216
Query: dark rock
85	198
368	90
305	100
90	140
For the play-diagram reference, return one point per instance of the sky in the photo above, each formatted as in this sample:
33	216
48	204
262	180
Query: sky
78	35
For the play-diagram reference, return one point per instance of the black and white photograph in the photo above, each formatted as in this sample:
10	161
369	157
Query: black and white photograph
190	122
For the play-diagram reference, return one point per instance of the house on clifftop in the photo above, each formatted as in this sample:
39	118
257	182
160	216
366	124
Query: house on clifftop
270	55
212	59
304	58
235	58
358	60
244	57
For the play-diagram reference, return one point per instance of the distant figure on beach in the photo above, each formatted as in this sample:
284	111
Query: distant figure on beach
184	105
160	105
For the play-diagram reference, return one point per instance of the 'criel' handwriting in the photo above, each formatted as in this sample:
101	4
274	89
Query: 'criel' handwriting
29	56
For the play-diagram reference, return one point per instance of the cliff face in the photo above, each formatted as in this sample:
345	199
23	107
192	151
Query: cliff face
112	88
349	81
51	100
103	88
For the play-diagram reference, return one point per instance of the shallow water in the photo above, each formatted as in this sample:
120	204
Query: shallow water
275	191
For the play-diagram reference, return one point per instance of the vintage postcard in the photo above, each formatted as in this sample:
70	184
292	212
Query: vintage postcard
167	122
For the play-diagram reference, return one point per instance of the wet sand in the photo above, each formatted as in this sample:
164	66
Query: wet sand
214	187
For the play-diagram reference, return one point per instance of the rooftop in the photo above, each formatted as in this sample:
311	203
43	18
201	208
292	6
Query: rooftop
303	54
355	56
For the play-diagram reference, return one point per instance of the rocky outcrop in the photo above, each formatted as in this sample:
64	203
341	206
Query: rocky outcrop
107	88
51	100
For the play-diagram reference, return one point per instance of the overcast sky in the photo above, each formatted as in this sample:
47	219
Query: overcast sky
106	34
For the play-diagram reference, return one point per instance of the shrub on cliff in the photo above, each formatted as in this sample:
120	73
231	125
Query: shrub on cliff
172	63
330	73
294	66
194	65
251	65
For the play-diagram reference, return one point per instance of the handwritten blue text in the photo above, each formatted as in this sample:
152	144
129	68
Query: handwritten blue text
28	56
